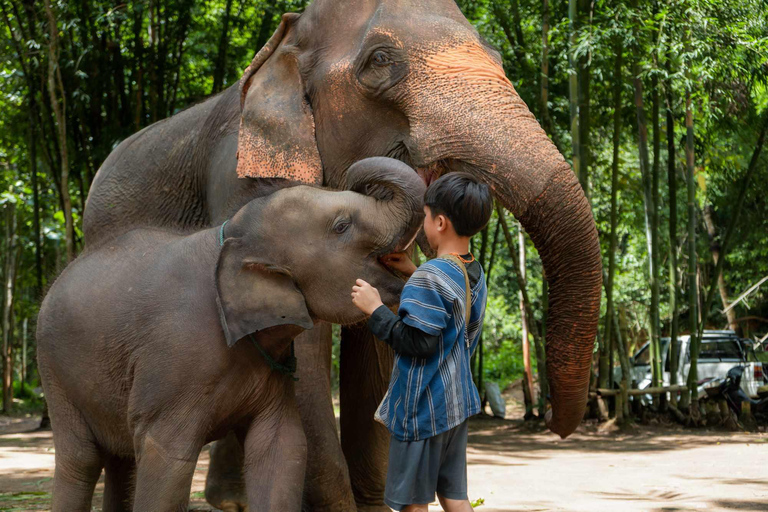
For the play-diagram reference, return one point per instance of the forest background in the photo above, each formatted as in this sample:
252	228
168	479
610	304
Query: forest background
661	107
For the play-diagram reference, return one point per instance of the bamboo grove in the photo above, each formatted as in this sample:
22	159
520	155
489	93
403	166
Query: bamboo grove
661	107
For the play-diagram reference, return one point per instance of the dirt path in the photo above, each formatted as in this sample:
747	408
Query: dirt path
513	466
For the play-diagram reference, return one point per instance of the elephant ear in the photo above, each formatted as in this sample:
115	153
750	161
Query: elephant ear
277	127
253	295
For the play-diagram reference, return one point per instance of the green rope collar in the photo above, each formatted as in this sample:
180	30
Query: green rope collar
221	233
289	368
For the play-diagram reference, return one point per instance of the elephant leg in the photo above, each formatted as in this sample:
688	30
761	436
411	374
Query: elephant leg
78	459
118	483
327	486
275	460
366	365
224	485
164	471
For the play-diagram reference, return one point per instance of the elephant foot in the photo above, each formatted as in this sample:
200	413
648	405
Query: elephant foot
224	486
231	506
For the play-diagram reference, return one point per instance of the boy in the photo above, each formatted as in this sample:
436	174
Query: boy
431	393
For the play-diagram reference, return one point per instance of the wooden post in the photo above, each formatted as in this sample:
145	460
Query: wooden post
620	403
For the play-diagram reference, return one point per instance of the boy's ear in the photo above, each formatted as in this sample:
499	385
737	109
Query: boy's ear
441	222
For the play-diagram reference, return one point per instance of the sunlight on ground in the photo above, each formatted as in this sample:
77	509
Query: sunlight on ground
513	466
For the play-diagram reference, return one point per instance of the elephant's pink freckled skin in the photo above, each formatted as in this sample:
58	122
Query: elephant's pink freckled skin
339	79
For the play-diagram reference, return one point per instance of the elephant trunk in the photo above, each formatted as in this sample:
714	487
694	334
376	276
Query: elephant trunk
559	221
473	119
560	224
398	190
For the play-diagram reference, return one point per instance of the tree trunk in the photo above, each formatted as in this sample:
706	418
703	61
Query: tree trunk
573	84
267	26
154	61
475	362
11	264
59	107
608	337
672	185
650	208
655	294
584	77
546	120
220	68
524	315
36	209
714	247
138	52
514	34
480	350
693	295
541	363
23	372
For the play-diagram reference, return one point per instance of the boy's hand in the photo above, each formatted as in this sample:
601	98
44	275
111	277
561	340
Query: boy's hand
366	297
399	261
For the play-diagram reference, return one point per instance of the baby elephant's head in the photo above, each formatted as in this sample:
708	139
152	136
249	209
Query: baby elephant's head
293	256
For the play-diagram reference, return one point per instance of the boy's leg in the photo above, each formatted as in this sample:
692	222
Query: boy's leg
450	505
416	508
452	478
412	474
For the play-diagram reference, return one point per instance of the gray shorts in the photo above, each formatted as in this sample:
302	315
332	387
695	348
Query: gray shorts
418	469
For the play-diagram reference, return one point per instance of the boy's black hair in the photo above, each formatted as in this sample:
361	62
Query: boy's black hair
465	201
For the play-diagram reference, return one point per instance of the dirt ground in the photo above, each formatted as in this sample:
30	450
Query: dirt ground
512	466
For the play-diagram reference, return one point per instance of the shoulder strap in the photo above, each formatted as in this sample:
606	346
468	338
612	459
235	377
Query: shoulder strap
467	291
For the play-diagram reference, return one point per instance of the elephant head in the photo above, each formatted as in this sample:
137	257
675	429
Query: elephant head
415	81
291	257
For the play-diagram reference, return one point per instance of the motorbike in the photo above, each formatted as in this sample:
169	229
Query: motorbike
728	388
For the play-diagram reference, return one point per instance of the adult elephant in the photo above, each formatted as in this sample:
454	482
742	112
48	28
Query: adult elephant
343	81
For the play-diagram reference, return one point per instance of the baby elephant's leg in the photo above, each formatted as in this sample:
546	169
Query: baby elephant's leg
164	470
275	461
78	460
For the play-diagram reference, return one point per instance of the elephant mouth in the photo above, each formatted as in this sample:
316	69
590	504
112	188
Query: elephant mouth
432	171
389	270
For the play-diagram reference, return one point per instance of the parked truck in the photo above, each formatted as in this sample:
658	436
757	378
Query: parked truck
720	351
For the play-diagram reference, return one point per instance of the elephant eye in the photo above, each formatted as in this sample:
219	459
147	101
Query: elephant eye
380	58
341	227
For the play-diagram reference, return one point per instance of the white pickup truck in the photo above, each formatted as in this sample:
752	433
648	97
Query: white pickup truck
720	351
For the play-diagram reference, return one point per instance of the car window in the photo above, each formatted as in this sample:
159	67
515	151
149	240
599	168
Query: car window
720	349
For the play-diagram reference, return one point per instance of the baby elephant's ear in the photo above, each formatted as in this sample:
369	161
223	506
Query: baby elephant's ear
253	295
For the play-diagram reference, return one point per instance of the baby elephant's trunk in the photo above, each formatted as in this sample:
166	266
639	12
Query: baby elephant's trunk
399	190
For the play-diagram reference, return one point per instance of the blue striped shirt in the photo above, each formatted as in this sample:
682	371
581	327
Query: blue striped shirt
429	396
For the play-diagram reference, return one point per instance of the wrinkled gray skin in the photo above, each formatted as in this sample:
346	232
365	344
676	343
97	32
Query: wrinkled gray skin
146	344
343	81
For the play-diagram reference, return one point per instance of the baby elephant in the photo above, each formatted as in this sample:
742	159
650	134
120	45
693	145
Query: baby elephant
157	343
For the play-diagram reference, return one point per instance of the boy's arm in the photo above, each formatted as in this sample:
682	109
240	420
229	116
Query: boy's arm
403	339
